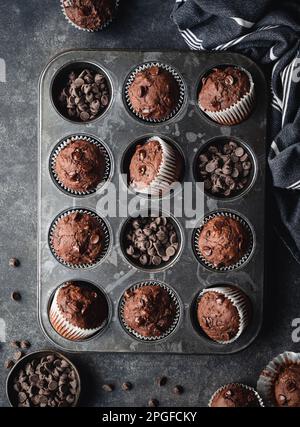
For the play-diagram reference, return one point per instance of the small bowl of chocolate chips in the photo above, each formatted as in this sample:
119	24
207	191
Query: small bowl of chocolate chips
43	379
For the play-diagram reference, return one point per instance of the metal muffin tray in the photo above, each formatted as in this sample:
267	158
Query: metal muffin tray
117	128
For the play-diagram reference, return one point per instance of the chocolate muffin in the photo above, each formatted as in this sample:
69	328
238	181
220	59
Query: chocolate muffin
235	396
89	14
78	238
227	95
78	310
223	241
218	317
154	167
287	386
80	166
148	310
154	93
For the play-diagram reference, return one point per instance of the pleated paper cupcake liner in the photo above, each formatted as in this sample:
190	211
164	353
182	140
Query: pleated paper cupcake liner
176	77
102	27
175	300
237	112
104	227
104	151
166	174
64	328
240	302
266	381
259	399
244	258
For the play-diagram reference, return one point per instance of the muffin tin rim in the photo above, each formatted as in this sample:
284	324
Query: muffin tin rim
167	265
217	139
102	69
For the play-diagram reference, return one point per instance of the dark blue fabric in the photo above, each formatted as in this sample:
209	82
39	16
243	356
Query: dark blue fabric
268	32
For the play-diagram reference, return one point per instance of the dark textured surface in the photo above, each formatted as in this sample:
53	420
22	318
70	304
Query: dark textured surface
30	33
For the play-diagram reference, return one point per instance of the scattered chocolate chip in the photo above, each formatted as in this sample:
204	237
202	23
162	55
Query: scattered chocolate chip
16	296
108	387
162	381
126	386
15	344
18	355
8	364
153	403
24	344
178	389
14	262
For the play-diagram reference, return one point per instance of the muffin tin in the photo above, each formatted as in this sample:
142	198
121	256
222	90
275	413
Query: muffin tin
190	129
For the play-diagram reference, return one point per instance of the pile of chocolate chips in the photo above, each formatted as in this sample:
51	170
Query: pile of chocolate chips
85	96
46	382
225	169
151	241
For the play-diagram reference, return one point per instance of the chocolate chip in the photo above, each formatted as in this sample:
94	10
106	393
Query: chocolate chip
126	386
14	262
15	344
178	389
18	355
229	80
16	296
162	381
24	344
8	364
108	387
153	403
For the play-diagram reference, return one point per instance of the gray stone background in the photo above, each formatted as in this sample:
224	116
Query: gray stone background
31	32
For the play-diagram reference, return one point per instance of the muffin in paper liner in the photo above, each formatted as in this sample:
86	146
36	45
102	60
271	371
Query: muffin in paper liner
102	27
220	389
106	231
237	112
64	328
266	381
239	301
104	151
176	76
167	173
204	261
175	299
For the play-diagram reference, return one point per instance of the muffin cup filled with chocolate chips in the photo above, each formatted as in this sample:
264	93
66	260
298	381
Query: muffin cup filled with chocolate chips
151	243
81	92
279	382
154	166
226	166
223	312
150	311
43	379
226	94
224	241
79	238
78	310
154	92
80	165
236	395
89	15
